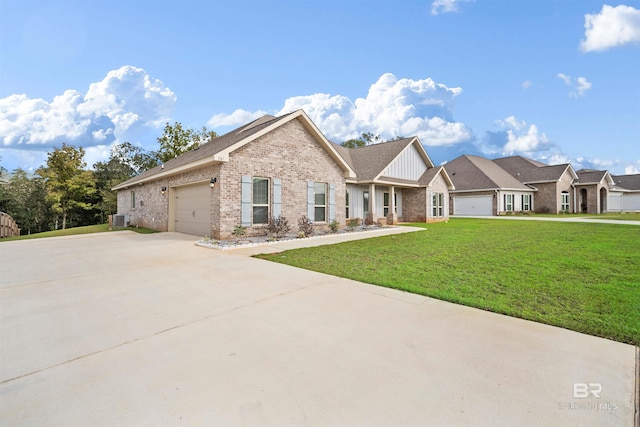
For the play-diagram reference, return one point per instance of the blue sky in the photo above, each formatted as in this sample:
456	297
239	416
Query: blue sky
554	80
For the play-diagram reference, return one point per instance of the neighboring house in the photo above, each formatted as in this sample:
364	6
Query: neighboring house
282	166
395	181
484	188
555	192
592	190
625	194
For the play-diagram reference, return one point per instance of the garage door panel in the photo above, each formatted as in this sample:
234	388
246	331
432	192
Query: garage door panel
473	205
192	209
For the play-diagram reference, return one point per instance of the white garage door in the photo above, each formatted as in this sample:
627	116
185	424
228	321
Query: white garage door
614	202
192	212
631	202
473	205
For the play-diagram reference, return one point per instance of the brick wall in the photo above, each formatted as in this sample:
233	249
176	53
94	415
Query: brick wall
289	153
414	204
152	207
546	199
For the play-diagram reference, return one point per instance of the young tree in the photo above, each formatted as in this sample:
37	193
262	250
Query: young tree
69	186
177	140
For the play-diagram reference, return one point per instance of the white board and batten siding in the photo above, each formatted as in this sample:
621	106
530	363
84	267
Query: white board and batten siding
408	165
473	205
193	209
356	200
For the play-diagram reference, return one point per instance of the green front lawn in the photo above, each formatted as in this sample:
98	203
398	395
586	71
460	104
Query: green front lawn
583	277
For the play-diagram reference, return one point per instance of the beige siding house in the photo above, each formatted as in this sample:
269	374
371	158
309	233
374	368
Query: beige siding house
283	166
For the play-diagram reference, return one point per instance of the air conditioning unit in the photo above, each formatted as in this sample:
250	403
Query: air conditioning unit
120	220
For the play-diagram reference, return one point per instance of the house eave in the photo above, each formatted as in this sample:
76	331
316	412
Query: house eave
202	162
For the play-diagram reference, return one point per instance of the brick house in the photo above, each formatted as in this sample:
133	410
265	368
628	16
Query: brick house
281	166
483	188
592	190
554	183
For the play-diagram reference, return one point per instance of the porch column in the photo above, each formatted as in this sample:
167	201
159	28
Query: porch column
372	216
392	216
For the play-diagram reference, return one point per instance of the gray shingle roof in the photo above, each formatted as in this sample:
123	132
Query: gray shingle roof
530	171
628	182
590	176
369	161
206	150
477	173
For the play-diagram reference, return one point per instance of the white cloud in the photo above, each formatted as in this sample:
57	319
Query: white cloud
393	107
124	99
579	86
237	117
516	137
526	84
446	6
632	168
613	26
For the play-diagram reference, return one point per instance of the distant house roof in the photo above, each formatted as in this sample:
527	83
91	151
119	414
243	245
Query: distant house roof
530	171
371	160
592	176
475	173
218	149
627	182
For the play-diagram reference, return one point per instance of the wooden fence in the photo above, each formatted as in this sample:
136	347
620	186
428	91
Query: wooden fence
8	226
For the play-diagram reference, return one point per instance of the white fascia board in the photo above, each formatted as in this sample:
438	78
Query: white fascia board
188	166
446	176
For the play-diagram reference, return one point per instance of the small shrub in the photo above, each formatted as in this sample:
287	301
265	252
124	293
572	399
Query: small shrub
353	223
305	226
301	235
239	231
334	226
278	227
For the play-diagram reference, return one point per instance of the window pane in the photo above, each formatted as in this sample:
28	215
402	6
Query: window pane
321	193
319	214
260	191
260	214
385	199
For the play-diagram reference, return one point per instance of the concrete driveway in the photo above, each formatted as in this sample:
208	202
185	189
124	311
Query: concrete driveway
121	329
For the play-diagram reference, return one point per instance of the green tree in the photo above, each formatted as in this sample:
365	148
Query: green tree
23	196
129	160
177	140
69	186
366	138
